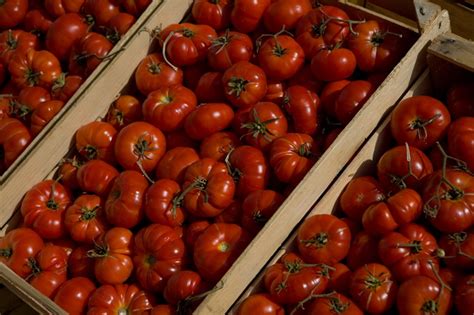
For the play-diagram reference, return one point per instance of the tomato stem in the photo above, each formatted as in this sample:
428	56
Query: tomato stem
221	42
163	51
6	252
99	251
33	265
319	240
51	203
89	214
258	127
11	42
310	297
277	50
90	151
416	246
184	305
199	183
59	83
458	239
420	126
237	86
259	218
234	172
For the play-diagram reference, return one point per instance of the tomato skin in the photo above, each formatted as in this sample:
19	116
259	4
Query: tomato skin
88	53
180	139
303	107
56	8
159	203
351	99
167	107
43	209
464	296
363	250
217	248
244	84
15	40
118	26
72	295
139	142
417	293
111	253
212	13
192	232
101	10
334	234
15	137
378	220
113	299
209	88
125	110
260	303
95	140
333	64
419	121
258	207
228	49
12	13
136	7
329	95
28	100
274	19
17	247
153	73
159	253
79	264
65	86
85	219
231	214
359	194
329	305
43	114
218	145
247	14
97	177
183	284
174	163
456	247
461	140
208	119
459	99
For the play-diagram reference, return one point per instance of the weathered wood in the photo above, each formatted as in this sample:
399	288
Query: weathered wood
455	49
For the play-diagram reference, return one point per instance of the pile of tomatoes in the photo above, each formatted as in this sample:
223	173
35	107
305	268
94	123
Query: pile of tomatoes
221	122
403	239
47	49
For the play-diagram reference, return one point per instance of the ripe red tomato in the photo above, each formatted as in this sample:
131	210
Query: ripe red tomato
65	86
303	107
419	121
85	219
182	285
329	95
339	278
260	303
111	254
124	110
159	253
12	41
333	304
464	298
244	84
208	119
97	177
160	203
284	13
231	214
305	78
6	106
14	138
228	49
333	64
192	232
363	250
135	7
139	145
12	13
19	246
247	14
459	250
88	53
119	25
179	138
79	264
351	99
56	8
209	89
378	220
43	114
101	10
218	145
95	140
215	13
461	140
258	207
323	239
167	107
174	163
359	194
28	100
114	299
459	99
72	295
37	21
217	248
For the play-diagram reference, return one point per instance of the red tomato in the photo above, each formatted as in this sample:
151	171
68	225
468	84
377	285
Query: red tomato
459	99
65	86
72	295
303	107
217	248
167	107
215	13
419	121
37	21
193	231
182	285
111	253
459	250
95	140
247	14
60	7
101	10
124	110
96	176
333	64
231	214
67	172
285	14
351	99
179	138
260	303
139	145
323	239
79	264
136	7
208	119
363	250
18	247
339	278
193	73
85	219
360	193
258	207
209	89
119	25
464	298
275	92
14	138
159	253
12	13
88	53
6	106
228	49
114	299
160	203
43	114
28	100
333	304
218	145
461	140
378	220
43	209
12	41
305	78
174	163
330	94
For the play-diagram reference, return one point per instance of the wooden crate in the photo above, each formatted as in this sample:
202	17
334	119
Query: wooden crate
365	162
302	198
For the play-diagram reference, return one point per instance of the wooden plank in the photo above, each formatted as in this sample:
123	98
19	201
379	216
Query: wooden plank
454	49
364	163
320	176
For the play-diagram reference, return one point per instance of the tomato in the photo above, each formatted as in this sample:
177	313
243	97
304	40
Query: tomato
72	295
373	288
111	254
64	33
12	12
65	86
305	78
275	92
207	189
88	53
215	13
43	208
330	94
7	103
37	22
124	110
182	285
260	303
333	304
360	193
79	264
31	67
17	247
28	100
85	219
139	145
409	251
281	57
323	239
160	204
119	25
209	89
351	99
260	124
12	41
339	278
464	298
292	156
119	298
174	163
218	145
363	250
423	295
208	119
48	269
228	49
60	7
459	99
193	73
461	140
333	64
378	220
95	140
459	250
14	137
97	177
247	14
136	7
167	107
244	84
158	254
217	248
249	169
231	214
153	73
101	10
44	114
449	200
192	232
258	207
284	13
186	43
403	167
321	27
419	121
303	107
163	309
179	138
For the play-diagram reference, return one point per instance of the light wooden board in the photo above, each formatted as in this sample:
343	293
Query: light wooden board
295	207
455	49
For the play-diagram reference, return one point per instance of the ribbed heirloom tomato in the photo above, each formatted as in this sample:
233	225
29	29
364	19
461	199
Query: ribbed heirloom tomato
124	110
182	285
228	49
73	295
12	12
97	177
258	207
209	88
260	303
174	163
12	41
360	193
285	13
14	137
60	7
247	14
218	145
207	119
88	53
95	140
333	304
161	204
101	10
118	299
461	140
459	250
43	114
215	13
303	107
